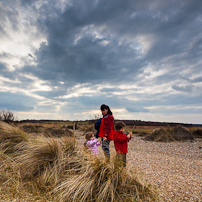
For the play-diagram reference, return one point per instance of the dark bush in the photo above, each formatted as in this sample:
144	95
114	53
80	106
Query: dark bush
7	116
181	133
160	134
197	133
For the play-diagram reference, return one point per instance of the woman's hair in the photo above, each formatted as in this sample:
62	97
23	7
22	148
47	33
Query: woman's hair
119	125
88	135
103	107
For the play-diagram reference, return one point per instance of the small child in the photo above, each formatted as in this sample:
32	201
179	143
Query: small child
121	142
91	143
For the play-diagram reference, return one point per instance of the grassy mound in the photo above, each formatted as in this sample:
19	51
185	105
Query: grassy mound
178	133
181	133
161	135
11	138
105	182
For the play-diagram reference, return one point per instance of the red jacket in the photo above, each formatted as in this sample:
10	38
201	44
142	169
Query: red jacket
120	142
106	127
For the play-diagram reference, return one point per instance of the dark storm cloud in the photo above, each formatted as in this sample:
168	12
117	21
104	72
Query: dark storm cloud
174	30
86	61
186	88
121	19
89	60
197	80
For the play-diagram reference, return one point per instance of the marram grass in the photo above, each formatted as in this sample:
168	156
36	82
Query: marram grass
101	182
12	138
56	169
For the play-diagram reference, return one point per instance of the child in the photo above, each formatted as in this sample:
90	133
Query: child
121	142
91	143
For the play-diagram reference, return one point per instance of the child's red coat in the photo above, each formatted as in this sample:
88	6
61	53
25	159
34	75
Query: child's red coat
120	142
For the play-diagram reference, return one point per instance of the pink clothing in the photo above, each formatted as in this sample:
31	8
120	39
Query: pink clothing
92	146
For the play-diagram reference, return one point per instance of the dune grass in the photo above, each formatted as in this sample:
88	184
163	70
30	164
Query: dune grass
101	181
56	169
46	161
11	138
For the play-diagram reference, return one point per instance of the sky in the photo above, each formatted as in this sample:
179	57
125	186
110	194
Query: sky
62	59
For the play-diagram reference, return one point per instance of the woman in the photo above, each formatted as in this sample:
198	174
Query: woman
106	129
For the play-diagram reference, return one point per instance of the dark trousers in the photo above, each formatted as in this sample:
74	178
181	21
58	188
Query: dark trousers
121	159
105	148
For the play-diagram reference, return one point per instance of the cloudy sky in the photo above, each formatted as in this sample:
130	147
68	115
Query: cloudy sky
62	59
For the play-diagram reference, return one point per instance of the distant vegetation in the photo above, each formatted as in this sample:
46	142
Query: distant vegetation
127	122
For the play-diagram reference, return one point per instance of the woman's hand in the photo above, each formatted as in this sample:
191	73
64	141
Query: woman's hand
104	139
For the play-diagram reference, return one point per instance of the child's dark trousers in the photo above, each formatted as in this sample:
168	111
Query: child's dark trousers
121	158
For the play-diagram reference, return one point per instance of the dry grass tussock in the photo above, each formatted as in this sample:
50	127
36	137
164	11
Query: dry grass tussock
178	133
101	181
11	138
11	186
47	161
55	169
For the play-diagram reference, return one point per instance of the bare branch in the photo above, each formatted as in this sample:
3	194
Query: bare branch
7	116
